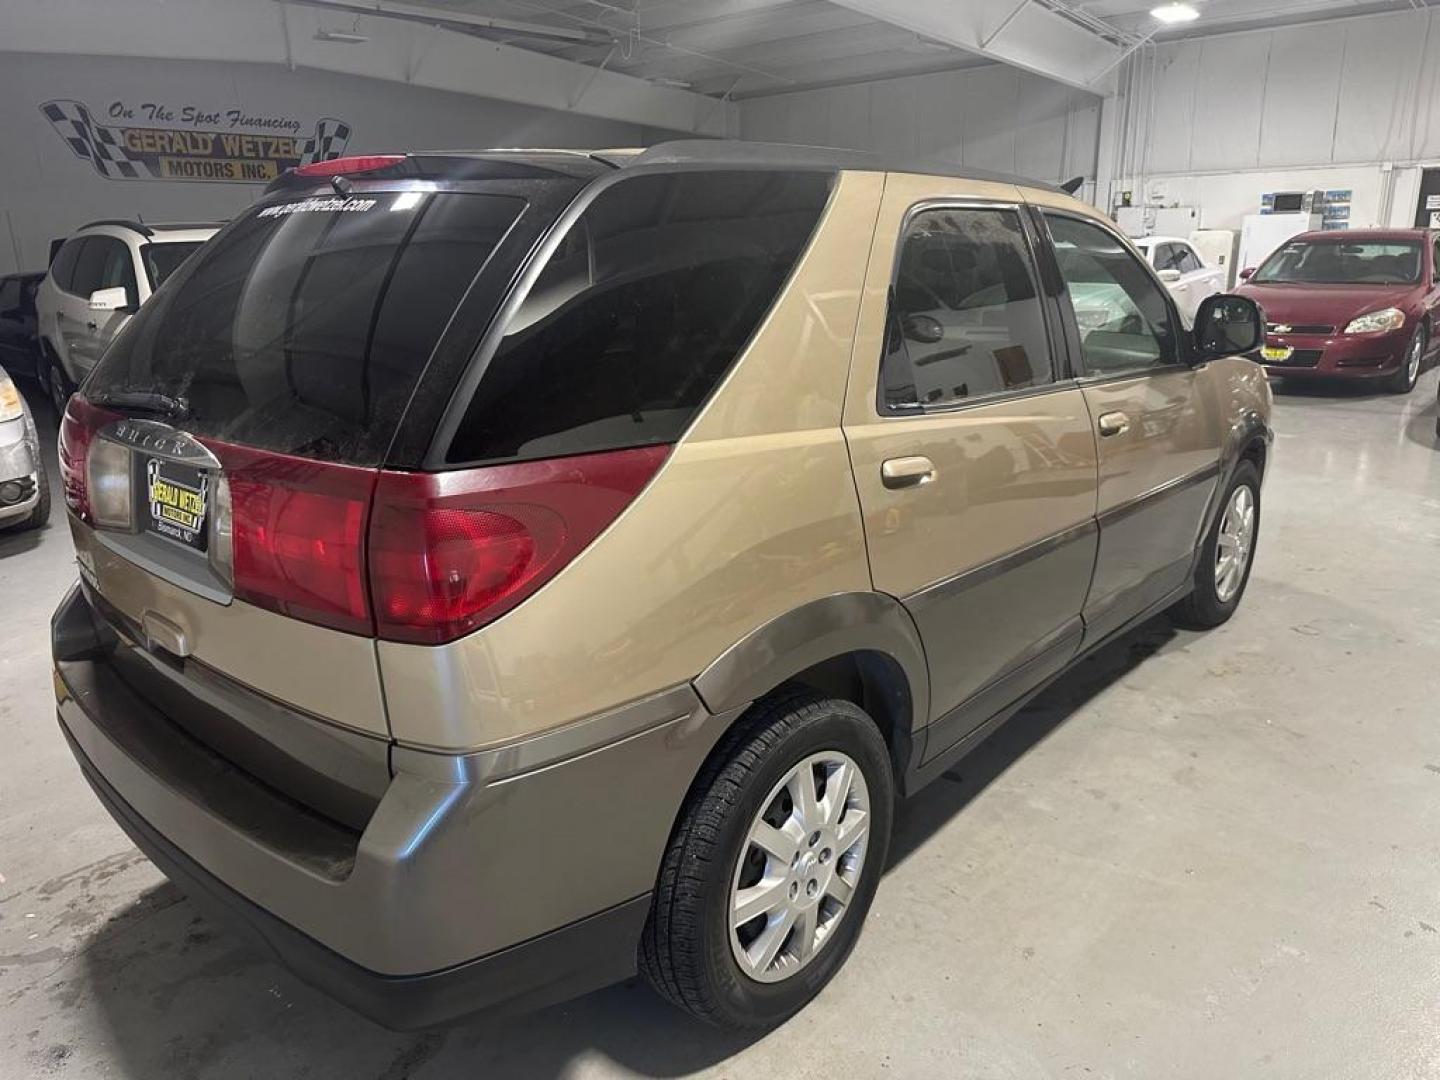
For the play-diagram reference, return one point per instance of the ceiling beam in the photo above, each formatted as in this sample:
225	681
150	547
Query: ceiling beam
1027	34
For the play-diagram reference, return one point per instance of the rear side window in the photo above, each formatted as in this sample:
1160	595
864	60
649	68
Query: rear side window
105	263
62	271
965	317
304	326
162	260
638	314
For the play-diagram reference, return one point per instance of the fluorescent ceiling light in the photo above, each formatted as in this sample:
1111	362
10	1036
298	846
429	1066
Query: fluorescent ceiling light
346	37
1174	13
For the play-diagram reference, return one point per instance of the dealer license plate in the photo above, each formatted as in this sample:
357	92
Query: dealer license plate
1276	354
177	498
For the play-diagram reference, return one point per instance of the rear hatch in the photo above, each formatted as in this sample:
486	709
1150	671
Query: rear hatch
221	461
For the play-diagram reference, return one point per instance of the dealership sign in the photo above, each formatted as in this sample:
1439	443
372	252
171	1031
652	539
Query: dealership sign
227	146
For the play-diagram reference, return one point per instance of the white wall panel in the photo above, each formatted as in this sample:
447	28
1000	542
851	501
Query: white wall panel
894	118
1350	104
1041	129
1302	89
991	103
1379	87
1349	91
940	119
995	117
1083	143
1176	84
1229	100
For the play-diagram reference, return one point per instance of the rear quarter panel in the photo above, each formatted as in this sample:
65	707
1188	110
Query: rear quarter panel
753	514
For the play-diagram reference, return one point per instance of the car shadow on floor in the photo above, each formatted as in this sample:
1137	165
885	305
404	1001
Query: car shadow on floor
179	996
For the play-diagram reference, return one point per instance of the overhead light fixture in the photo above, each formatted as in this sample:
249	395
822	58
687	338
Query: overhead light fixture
346	37
1170	14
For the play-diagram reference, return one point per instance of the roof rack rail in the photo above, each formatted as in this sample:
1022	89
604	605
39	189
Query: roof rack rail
138	226
786	155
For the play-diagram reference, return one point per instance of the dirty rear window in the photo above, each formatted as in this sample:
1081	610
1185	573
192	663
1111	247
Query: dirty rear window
303	327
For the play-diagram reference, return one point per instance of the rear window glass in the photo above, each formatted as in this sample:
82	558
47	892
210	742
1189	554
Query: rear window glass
162	260
303	327
638	314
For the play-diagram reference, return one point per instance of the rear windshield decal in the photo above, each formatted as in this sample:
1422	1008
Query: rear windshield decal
329	204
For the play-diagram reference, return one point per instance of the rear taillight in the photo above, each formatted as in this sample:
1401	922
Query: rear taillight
77	431
451	551
294	535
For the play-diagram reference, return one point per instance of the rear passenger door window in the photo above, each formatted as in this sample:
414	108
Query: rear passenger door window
966	319
105	263
1188	262
1125	322
62	272
638	314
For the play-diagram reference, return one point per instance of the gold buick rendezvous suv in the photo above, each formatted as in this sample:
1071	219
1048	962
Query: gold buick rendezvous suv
502	571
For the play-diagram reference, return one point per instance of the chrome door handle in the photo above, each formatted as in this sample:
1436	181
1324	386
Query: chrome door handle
907	472
1114	423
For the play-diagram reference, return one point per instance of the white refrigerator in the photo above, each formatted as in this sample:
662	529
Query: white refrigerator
1261	234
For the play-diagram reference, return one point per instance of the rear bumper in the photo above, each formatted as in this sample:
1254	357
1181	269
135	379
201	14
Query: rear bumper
565	963
500	876
1345	356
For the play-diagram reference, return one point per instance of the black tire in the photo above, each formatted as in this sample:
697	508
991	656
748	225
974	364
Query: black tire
1203	609
1401	382
685	952
57	385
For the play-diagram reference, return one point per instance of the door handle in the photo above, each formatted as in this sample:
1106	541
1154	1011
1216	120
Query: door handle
907	472
92	326
1113	423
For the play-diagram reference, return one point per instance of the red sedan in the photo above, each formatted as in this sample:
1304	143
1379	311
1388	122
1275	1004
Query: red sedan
1355	304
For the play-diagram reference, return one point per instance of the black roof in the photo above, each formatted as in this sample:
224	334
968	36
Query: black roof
718	153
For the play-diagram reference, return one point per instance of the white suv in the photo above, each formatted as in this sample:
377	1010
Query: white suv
97	280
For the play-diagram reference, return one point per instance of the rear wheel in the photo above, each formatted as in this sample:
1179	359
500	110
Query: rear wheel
1405	377
57	385
1226	555
774	863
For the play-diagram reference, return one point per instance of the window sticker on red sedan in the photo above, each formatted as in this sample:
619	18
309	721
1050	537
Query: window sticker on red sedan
177	496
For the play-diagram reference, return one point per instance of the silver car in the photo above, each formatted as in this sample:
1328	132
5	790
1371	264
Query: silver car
24	490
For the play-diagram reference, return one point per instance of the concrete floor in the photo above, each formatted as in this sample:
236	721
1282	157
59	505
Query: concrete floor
1196	856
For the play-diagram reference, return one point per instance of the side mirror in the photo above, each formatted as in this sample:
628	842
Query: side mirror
1228	325
114	299
1169	276
923	328
1247	273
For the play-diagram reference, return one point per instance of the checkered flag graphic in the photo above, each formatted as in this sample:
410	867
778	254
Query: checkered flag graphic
89	140
327	142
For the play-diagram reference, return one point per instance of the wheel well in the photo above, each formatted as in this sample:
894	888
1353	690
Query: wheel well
876	683
1256	451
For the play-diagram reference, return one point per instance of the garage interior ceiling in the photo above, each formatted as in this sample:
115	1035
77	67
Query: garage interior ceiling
748	48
